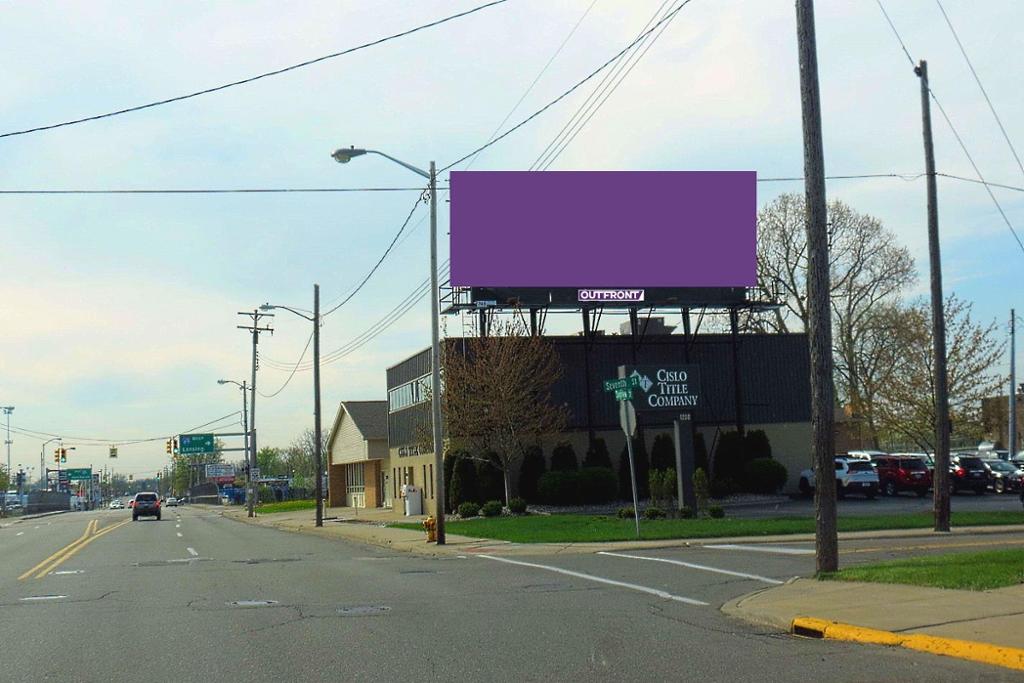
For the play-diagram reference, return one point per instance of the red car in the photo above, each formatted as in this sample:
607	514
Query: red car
903	473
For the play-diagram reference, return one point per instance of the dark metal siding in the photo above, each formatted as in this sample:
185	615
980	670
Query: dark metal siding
409	369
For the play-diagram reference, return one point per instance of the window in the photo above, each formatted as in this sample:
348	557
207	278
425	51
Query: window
431	480
408	394
354	478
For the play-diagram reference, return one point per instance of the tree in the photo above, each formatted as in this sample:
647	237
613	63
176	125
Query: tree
868	270
906	402
597	454
663	453
563	458
270	461
497	395
298	459
530	472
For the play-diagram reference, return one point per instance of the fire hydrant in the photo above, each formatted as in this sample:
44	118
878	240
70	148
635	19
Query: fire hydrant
430	524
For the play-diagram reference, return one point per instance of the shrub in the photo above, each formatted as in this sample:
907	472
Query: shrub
468	509
764	475
716	511
663	453
597	454
559	488
625	513
450	459
686	512
596	485
530	473
517	506
723	486
490	477
700	452
563	458
464	482
701	490
662	485
758	445
654	513
491	508
729	457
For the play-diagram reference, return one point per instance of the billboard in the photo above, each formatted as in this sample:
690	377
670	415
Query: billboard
603	231
219	470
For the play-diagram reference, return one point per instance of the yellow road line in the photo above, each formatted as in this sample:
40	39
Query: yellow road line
60	560
933	546
986	653
89	528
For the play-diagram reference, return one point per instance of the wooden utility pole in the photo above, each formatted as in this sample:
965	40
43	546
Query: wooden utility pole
819	318
941	479
255	330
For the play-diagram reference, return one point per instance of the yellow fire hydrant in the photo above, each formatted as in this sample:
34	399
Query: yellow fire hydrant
430	524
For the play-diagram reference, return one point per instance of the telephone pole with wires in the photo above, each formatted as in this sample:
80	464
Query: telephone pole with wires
255	329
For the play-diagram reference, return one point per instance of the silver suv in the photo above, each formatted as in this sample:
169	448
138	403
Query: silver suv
852	476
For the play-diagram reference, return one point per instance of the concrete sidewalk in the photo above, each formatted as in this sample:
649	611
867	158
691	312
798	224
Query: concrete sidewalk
984	626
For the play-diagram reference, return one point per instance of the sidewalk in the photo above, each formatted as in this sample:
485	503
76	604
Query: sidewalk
984	626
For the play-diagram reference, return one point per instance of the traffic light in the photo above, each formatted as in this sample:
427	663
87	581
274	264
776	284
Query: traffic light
113	451
168	445
56	455
63	455
175	444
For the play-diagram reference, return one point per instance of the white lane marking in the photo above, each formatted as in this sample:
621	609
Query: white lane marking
690	565
179	534
177	526
599	579
65	572
35	527
192	552
44	597
762	549
20	533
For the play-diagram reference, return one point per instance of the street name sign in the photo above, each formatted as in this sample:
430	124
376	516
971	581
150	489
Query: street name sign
623	394
621	383
195	444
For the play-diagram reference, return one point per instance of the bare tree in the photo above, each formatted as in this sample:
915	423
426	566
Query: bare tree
497	395
905	408
868	270
298	458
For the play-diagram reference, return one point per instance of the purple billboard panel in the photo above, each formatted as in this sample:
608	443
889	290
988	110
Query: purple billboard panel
601	229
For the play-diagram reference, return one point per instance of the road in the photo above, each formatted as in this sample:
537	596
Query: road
198	596
903	503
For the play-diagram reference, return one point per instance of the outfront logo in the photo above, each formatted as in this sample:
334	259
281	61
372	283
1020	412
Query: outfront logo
610	295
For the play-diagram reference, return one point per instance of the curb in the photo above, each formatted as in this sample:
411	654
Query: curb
45	514
985	653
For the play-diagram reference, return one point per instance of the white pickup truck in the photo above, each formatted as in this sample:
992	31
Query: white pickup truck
852	476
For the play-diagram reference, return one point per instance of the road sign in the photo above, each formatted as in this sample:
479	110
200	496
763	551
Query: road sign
627	418
254	473
219	469
623	394
195	444
621	383
78	474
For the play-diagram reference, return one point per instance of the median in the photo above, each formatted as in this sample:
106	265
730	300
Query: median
964	571
602	528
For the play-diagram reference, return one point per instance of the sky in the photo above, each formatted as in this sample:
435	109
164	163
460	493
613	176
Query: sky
118	313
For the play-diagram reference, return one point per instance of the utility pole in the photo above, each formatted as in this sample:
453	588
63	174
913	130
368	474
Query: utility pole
939	380
1012	432
7	411
255	329
317	450
819	323
435	364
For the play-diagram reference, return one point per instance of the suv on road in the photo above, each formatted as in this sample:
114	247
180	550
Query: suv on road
968	471
146	504
903	473
851	476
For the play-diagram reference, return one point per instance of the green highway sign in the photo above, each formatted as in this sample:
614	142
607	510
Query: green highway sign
623	394
79	474
195	444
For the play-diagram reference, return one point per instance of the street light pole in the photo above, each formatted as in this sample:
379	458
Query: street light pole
250	459
317	450
45	484
343	156
7	411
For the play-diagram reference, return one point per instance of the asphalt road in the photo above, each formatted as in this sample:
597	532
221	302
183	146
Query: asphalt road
182	600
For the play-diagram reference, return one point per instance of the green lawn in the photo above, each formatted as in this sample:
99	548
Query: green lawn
597	528
286	506
967	571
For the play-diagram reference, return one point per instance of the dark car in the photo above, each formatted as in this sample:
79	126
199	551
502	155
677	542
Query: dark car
1004	475
968	472
146	504
903	473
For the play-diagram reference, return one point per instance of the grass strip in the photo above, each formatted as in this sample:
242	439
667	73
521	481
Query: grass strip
286	506
963	571
601	528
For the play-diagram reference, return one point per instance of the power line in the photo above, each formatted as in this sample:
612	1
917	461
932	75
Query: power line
297	363
257	77
956	133
1015	188
977	79
35	433
566	93
254	190
902	176
379	261
544	69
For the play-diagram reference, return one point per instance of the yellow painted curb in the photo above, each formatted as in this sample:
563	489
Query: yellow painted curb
986	653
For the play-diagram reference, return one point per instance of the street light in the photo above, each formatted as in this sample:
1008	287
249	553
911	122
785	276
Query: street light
250	458
317	454
7	411
44	484
343	156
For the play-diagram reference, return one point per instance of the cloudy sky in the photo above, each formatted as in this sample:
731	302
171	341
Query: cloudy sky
118	312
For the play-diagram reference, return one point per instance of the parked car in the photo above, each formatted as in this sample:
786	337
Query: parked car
864	455
968	472
1003	475
851	476
903	473
116	504
146	504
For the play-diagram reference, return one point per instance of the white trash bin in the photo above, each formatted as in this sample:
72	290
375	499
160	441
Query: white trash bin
413	500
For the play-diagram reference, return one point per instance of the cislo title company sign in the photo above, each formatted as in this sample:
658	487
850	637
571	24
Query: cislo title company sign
666	387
